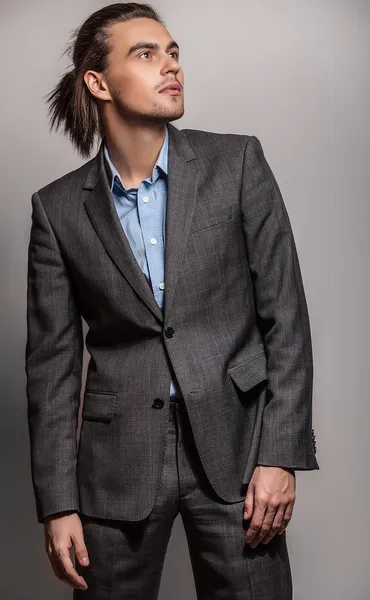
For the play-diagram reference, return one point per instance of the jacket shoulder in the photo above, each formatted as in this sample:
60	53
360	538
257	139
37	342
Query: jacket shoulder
211	143
214	146
201	136
71	180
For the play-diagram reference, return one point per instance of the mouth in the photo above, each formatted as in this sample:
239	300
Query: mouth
172	88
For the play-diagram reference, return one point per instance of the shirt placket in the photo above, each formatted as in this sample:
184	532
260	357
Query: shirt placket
149	218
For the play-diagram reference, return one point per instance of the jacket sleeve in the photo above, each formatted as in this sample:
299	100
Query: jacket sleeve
287	438
53	364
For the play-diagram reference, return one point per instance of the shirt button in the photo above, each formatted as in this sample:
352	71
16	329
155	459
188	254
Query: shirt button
153	241
145	199
161	286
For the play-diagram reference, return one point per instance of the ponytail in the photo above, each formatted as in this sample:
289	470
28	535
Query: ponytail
73	108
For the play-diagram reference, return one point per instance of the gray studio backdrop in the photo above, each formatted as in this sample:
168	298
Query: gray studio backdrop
294	73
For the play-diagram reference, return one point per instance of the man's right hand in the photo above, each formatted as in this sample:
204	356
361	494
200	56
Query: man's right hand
62	531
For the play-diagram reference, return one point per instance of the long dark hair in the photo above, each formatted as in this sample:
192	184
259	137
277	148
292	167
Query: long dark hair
71	105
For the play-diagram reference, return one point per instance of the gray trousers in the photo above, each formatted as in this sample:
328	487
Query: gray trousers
127	557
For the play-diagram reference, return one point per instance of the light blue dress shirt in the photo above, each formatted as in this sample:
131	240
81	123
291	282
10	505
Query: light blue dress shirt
142	213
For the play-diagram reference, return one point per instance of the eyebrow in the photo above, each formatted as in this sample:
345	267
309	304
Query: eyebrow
152	46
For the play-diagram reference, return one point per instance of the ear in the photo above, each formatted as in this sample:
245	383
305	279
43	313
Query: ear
97	85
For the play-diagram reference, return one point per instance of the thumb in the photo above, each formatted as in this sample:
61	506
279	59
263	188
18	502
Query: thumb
80	549
248	502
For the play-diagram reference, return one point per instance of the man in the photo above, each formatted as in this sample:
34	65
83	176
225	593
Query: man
177	250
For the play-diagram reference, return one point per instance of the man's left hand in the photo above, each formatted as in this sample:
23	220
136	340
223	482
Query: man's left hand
269	503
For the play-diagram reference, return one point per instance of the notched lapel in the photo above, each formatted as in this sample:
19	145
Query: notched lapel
100	207
182	185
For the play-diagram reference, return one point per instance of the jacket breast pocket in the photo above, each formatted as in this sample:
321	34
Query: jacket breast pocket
217	217
249	373
98	406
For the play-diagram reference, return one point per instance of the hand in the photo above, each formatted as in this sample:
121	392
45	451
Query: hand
270	499
61	532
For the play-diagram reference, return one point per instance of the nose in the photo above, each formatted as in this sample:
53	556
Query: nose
171	64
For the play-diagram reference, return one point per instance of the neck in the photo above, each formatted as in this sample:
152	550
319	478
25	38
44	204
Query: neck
134	148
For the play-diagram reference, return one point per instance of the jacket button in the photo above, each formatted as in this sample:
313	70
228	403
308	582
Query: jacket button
158	403
169	332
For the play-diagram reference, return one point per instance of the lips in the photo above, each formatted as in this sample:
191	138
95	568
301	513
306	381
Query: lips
172	86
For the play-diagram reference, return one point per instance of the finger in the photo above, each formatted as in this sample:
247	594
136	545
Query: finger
255	524
276	525
58	571
265	528
80	549
286	518
249	502
52	557
69	570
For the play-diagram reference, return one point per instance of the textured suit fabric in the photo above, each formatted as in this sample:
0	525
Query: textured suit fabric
126	558
141	212
234	329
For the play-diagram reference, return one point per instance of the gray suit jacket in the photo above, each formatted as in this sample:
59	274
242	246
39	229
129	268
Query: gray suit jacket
235	330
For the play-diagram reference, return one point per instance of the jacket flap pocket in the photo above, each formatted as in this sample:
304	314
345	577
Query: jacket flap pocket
249	373
98	406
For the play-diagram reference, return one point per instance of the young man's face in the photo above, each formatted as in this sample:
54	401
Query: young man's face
136	75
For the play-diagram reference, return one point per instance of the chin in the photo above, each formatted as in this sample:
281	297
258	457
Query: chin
176	112
168	114
164	114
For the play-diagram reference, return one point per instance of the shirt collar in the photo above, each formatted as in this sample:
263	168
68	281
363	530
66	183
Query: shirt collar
160	165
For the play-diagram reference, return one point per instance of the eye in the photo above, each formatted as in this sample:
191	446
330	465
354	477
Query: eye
176	53
146	52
